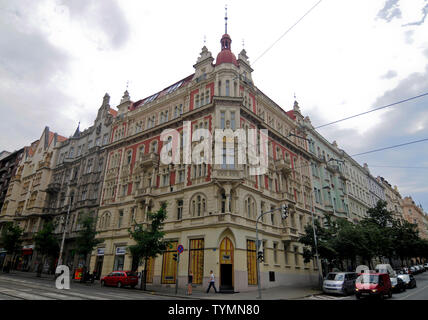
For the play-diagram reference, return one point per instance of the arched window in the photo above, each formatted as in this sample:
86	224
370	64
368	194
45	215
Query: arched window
198	205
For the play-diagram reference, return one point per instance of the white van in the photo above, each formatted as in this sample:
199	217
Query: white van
386	268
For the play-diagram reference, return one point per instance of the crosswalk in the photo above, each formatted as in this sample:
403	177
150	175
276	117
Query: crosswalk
326	297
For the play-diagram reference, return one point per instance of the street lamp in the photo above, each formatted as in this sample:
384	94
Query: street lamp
284	215
65	230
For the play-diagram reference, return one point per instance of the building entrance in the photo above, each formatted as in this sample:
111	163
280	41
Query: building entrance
226	266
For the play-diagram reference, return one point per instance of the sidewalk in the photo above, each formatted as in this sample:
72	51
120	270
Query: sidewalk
277	293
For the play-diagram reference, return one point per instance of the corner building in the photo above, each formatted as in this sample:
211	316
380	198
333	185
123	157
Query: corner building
212	209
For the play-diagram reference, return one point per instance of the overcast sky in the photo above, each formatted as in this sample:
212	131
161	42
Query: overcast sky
59	57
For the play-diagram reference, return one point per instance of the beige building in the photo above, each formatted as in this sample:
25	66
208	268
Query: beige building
27	197
212	208
415	214
393	199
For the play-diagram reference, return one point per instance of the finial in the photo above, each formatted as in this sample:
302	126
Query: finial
294	95
225	19
127	85
243	44
205	39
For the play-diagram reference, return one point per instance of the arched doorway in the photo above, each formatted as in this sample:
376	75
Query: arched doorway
226	265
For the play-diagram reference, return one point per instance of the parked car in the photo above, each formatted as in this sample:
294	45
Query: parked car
412	270
385	268
426	266
340	282
405	270
422	268
373	284
408	279
120	279
397	284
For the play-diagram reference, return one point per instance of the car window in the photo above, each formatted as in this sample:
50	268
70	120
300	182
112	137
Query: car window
110	274
131	274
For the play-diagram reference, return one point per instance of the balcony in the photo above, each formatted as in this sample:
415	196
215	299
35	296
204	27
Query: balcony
149	160
229	174
142	192
53	187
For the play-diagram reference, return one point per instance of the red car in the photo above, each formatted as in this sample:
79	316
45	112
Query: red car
373	284
120	279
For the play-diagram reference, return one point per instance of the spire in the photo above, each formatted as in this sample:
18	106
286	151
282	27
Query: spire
77	132
225	19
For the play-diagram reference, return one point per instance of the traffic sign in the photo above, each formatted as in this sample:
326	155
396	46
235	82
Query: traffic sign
180	248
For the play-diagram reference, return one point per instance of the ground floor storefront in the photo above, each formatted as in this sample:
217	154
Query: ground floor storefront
229	252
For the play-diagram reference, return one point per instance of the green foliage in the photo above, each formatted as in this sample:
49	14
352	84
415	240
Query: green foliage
377	235
11	238
45	240
149	241
86	241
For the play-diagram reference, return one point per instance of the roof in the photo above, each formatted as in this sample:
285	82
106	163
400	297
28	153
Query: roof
170	89
112	112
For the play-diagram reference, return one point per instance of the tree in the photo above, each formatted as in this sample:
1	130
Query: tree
86	241
46	243
11	241
325	238
150	240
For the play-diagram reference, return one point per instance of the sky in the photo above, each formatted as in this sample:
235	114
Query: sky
59	57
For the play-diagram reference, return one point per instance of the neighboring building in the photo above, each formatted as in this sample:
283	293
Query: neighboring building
8	166
4	154
415	214
27	197
376	189
393	198
77	178
328	175
212	209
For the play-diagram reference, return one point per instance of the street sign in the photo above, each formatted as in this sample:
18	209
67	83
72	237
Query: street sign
180	248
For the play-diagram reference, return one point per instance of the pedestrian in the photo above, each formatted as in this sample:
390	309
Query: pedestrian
212	282
189	283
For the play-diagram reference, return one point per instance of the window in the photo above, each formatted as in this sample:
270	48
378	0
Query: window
296	256
222	119
196	260
275	253
120	220
179	209
198	205
169	265
129	157
251	262
98	141
70	154
154	146
232	121
227	88
88	166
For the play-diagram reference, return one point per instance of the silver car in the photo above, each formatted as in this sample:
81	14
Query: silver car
340	282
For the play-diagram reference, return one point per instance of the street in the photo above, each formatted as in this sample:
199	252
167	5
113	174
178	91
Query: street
418	293
13	287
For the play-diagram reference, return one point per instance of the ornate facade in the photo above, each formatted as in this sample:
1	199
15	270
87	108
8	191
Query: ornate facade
212	208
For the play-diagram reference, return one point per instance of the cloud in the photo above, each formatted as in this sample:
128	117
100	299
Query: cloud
422	20
389	75
106	16
31	73
390	11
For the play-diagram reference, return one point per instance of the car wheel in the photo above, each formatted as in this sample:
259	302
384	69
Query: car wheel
119	284
103	284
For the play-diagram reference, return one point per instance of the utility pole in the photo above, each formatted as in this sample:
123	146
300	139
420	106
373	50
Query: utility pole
284	215
65	230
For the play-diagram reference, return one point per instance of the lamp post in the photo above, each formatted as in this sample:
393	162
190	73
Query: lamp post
284	215
65	230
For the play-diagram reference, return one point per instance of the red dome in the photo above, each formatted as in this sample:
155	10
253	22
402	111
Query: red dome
226	55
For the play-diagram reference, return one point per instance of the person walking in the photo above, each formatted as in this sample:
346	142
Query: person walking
189	283
212	282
